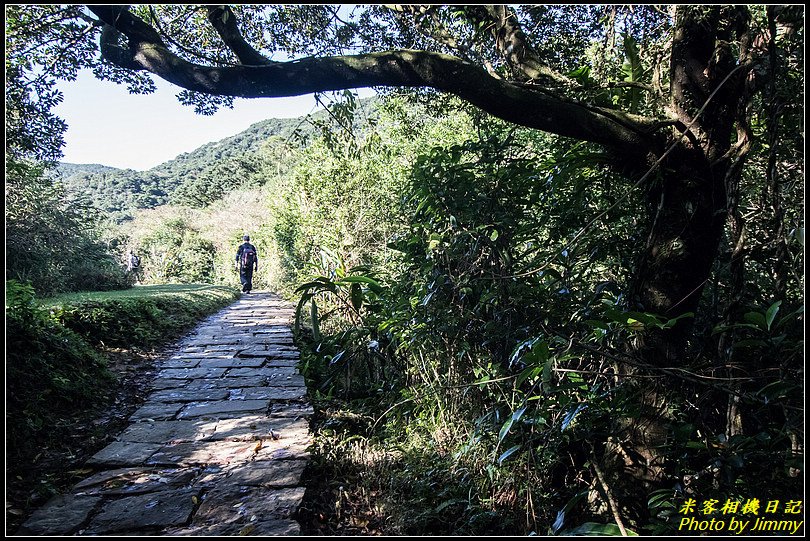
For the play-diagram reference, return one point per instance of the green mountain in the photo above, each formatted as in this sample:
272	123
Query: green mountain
199	177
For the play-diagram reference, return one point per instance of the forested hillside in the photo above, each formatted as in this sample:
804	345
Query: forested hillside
199	177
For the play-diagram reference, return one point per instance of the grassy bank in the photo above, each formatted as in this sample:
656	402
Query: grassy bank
144	316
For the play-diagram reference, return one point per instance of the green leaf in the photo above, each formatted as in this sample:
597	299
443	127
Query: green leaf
770	315
538	353
558	523
505	429
787	318
357	296
571	415
673	321
757	319
308	285
506	454
547	372
529	373
595	323
635	324
313	313
662	498
581	75
373	285
494	235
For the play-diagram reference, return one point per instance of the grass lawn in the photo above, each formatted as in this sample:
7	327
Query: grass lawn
186	291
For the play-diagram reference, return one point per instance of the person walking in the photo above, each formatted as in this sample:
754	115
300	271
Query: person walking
247	261
134	265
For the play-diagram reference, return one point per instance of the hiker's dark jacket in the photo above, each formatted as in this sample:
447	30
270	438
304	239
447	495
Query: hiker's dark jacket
242	249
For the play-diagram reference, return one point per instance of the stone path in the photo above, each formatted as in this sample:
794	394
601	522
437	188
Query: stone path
218	448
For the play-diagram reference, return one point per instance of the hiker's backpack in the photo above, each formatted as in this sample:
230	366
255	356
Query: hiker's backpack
136	262
248	256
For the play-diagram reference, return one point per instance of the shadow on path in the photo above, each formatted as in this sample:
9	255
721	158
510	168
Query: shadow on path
218	448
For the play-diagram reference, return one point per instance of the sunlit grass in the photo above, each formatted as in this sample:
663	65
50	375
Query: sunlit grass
185	291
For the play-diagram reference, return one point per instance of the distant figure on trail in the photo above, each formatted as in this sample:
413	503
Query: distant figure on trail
247	260
134	265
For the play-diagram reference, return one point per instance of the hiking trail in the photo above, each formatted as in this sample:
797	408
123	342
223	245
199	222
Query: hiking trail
218	448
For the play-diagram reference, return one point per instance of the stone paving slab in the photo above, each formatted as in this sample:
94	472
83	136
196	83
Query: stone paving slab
191	373
281	363
219	447
202	355
271	351
259	427
281	409
236	506
227	383
273	527
202	453
180	363
156	411
189	395
232	363
294	380
265	372
162	509
60	516
280	330
124	453
268	393
219	407
133	481
162	383
168	431
278	450
280	473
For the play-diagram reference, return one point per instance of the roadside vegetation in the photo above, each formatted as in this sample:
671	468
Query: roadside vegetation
473	369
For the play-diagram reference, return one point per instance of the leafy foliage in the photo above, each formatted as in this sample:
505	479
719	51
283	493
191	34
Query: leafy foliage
51	238
50	370
499	328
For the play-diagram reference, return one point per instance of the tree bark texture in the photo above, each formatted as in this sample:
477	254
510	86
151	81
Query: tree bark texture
688	201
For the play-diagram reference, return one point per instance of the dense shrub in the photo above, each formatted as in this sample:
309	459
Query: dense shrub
51	371
494	337
52	239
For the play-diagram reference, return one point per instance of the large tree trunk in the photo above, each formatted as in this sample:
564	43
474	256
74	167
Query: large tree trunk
688	201
687	206
688	209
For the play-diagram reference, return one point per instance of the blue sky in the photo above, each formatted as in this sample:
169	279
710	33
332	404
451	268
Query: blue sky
109	126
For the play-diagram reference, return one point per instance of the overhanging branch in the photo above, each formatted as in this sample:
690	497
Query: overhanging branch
401	68
223	20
